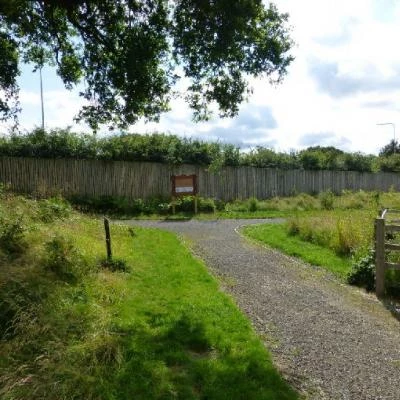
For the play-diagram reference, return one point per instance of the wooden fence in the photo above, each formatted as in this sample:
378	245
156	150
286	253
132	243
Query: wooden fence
385	224
144	180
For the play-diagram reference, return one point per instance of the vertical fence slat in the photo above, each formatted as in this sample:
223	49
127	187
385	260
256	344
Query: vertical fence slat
380	256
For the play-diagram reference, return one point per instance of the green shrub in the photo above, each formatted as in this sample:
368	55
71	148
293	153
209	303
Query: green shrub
219	204
185	204
363	272
253	204
206	205
292	226
54	208
64	259
163	208
12	235
237	206
327	200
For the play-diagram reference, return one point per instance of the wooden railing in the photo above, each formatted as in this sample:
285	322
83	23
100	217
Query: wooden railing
383	225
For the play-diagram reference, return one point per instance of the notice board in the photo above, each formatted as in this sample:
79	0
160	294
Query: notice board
184	185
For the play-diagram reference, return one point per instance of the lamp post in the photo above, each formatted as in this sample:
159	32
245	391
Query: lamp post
41	95
394	129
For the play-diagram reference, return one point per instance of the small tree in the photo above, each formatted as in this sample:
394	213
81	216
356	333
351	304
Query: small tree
393	147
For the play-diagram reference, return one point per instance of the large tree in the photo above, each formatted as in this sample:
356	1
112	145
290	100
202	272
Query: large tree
130	53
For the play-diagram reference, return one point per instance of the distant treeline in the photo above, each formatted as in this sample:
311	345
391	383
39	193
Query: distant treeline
171	149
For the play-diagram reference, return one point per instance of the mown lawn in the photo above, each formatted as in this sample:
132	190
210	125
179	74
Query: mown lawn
157	327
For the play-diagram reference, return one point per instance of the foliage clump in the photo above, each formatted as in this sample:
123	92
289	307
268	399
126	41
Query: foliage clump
64	259
173	149
54	208
362	272
12	234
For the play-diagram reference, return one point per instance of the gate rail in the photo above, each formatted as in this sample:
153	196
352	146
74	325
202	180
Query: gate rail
382	226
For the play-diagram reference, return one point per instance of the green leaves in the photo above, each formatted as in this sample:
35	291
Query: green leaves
130	53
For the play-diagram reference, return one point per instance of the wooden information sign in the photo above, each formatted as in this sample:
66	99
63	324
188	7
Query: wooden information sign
184	185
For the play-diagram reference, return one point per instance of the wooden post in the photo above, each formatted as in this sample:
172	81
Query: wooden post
380	256
173	205
195	204
108	238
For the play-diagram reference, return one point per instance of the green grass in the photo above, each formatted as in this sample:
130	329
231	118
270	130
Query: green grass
71	329
276	236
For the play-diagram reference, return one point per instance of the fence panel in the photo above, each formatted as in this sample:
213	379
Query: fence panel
145	179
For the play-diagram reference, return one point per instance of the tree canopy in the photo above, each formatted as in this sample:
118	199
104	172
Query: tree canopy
130	53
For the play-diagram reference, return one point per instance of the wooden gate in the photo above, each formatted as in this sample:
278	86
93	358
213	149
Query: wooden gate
387	223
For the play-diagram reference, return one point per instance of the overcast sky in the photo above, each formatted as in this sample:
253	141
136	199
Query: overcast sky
344	81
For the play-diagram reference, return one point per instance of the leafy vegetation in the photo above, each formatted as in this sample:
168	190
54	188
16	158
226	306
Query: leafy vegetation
276	236
172	149
362	272
131	54
336	234
151	325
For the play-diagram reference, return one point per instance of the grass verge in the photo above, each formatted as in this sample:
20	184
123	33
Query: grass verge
276	236
160	328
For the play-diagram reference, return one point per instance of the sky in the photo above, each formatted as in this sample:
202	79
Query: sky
345	80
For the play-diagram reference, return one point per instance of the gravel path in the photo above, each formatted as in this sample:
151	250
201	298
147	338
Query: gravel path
329	340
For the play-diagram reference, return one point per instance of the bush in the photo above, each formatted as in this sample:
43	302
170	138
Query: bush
363	272
292	226
54	208
186	204
64	259
206	205
163	208
12	231
219	204
253	204
327	200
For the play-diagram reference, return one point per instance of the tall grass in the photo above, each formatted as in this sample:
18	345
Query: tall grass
345	232
337	233
71	329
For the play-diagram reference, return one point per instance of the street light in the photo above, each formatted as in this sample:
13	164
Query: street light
41	94
394	128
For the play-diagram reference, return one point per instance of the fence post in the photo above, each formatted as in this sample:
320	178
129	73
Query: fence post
108	238
380	256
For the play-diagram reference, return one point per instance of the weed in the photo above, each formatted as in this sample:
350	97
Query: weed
12	235
327	200
219	204
115	264
362	271
206	205
64	259
253	204
54	208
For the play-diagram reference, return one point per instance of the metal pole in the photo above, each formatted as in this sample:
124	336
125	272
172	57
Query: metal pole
41	95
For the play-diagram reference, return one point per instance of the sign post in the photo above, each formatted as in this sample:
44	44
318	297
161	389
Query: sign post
184	185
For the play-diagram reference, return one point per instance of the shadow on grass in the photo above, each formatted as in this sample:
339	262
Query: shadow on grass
183	363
